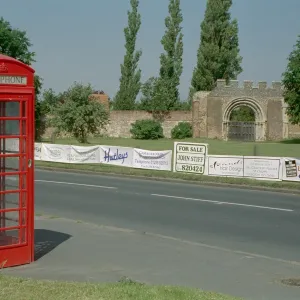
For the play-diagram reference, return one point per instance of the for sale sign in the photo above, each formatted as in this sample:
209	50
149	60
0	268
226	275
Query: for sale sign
189	157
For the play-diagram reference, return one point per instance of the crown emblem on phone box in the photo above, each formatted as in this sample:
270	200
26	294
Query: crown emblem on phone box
3	68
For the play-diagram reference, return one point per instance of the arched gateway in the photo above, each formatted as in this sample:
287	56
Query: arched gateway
244	130
213	112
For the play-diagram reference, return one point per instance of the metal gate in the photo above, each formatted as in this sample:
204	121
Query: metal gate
242	131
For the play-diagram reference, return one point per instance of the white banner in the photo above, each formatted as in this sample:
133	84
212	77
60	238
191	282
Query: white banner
56	153
290	169
220	165
156	160
262	167
114	155
11	145
84	155
38	151
189	157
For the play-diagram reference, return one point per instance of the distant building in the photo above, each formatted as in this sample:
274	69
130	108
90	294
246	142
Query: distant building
101	97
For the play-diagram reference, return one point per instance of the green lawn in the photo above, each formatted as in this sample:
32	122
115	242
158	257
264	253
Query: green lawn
16	288
215	146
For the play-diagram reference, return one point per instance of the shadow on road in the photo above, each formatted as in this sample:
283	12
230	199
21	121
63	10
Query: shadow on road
46	241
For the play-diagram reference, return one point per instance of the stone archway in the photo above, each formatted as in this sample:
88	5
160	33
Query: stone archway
244	131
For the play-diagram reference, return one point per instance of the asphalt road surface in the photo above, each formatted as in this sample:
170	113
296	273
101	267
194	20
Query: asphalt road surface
255	222
235	241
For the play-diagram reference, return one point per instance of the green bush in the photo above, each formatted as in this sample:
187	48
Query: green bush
182	130
146	130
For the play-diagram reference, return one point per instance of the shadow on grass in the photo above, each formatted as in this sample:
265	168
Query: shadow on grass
291	141
46	241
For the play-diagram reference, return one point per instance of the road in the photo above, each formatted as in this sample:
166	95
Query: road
256	222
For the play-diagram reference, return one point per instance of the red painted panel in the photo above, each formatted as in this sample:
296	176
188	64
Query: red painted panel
16	151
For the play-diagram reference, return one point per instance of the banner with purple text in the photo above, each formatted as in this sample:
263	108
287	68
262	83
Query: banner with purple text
114	155
152	160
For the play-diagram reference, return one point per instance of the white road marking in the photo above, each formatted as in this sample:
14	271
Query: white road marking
78	184
224	203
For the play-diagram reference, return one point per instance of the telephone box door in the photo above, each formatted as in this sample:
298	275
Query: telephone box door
16	190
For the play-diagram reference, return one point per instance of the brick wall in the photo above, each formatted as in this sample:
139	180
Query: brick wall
102	98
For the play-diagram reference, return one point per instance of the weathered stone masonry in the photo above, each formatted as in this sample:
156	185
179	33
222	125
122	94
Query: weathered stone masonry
212	110
211	113
120	122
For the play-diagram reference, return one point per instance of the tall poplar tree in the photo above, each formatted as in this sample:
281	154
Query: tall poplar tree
130	80
218	54
166	94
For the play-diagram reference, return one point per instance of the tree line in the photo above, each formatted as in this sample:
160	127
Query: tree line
218	57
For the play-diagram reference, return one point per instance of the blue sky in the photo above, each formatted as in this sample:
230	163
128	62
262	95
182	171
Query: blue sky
83	40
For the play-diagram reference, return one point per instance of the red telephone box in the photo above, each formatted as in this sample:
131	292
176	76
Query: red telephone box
16	163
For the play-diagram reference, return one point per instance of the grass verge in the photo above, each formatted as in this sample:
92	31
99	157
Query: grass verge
165	175
12	288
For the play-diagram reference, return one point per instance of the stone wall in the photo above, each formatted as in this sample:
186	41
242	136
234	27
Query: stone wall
212	110
294	131
120	122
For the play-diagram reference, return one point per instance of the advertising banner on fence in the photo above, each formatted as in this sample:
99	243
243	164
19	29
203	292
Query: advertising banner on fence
84	155
262	167
156	160
11	145
38	151
220	165
114	155
189	157
291	169
56	153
